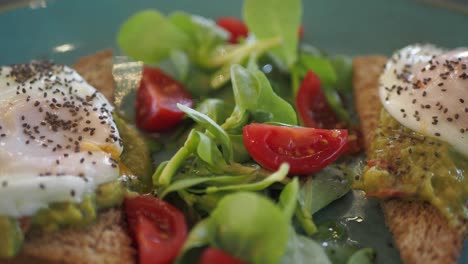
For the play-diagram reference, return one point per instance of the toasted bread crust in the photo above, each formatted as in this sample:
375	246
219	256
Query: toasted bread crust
420	232
96	69
106	241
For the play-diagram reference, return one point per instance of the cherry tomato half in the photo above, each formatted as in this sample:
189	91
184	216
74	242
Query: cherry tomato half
158	228
156	101
307	150
235	27
216	256
312	105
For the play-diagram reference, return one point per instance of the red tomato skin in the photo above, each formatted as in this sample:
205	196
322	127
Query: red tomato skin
312	104
156	101
307	150
300	32
216	256
235	27
158	228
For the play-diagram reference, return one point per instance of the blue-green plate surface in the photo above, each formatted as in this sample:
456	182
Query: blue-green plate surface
64	30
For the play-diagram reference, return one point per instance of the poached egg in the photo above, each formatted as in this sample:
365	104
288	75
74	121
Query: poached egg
425	88
58	140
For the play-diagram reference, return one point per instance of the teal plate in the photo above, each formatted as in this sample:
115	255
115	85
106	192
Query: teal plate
64	30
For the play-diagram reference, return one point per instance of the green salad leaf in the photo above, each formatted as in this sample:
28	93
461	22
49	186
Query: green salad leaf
303	250
213	128
139	39
253	92
275	18
245	225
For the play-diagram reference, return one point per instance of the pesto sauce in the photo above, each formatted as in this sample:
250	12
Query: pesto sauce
417	167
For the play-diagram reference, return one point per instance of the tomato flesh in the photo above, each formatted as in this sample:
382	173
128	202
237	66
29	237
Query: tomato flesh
158	228
216	256
156	101
312	105
236	28
307	150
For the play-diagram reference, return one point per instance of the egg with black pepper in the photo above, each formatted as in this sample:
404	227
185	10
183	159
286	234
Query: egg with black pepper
426	89
58	140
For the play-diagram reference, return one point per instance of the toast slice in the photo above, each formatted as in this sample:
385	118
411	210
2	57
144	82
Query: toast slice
420	232
105	241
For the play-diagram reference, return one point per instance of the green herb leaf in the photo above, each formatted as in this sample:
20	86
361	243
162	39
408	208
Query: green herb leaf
320	66
205	36
215	109
250	227
201	235
148	36
213	128
322	189
343	66
187	183
275	18
277	176
288	198
303	250
363	256
252	92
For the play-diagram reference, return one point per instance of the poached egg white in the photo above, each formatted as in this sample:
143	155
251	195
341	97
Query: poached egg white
58	140
426	89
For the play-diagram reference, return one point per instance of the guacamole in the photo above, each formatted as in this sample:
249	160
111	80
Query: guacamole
135	163
407	164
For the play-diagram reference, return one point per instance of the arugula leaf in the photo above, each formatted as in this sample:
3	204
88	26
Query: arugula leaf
139	39
275	18
252	92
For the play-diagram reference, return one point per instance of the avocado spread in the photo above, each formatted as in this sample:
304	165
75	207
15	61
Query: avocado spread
135	162
407	164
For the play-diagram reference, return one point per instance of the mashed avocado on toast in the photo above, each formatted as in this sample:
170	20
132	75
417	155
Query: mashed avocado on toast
135	159
409	164
75	154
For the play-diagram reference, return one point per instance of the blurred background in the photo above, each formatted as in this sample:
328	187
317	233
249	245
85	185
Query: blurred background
65	29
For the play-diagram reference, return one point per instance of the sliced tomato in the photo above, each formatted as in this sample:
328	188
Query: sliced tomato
312	105
216	256
307	150
159	229
156	101
236	28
